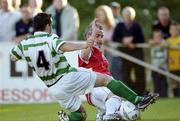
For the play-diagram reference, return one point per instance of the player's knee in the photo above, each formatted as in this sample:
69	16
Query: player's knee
102	79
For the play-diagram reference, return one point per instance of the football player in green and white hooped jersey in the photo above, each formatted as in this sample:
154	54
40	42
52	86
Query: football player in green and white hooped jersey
44	53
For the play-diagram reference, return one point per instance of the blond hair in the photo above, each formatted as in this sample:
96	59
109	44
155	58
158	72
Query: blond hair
130	10
109	18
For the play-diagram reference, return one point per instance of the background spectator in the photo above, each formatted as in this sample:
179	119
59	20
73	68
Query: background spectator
129	33
65	19
105	16
16	4
24	25
115	7
159	59
174	56
35	6
163	21
116	62
7	20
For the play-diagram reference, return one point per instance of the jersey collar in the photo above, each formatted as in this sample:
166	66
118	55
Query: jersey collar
40	32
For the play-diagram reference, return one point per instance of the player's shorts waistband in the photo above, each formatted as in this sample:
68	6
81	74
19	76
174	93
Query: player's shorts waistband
55	82
71	69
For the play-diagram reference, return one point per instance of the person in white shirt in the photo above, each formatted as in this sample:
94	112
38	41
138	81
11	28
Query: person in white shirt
8	19
35	6
65	19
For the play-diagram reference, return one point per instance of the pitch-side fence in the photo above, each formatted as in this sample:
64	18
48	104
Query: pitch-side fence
111	49
115	52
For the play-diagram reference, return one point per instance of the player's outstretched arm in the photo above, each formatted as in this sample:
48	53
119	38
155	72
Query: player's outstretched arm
71	46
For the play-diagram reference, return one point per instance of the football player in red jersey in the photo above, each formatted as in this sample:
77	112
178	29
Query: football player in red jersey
101	97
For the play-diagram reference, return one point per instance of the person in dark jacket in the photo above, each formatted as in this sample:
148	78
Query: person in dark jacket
129	33
24	27
164	21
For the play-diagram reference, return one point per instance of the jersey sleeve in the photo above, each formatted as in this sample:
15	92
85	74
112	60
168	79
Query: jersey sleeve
57	43
81	60
17	52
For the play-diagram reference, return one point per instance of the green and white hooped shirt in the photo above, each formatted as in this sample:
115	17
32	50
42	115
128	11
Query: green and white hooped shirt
41	51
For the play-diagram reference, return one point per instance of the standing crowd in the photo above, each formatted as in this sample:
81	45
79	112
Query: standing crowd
16	22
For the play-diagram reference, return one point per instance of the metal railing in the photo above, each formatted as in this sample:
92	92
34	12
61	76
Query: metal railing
141	63
145	45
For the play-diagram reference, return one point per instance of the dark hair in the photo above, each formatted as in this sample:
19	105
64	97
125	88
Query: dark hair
40	21
157	30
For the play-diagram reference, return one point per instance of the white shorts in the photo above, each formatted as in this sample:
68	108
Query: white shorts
67	90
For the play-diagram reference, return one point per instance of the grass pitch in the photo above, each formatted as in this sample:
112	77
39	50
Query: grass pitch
162	110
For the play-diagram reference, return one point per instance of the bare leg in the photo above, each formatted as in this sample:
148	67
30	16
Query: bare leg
102	80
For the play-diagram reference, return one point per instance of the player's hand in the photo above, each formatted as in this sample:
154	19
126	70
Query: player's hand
89	43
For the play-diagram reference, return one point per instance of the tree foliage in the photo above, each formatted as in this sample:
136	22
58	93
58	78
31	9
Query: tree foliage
145	10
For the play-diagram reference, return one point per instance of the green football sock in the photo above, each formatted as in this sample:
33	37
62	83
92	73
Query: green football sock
120	89
75	116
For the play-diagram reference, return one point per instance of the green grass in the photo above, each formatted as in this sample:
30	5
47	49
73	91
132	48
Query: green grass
162	110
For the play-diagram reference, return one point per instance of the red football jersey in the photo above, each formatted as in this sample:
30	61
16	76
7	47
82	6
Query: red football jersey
97	62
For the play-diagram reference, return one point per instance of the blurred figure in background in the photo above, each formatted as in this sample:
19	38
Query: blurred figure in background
16	4
159	59
174	56
129	33
35	6
104	14
65	19
163	22
115	7
116	62
24	25
8	19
